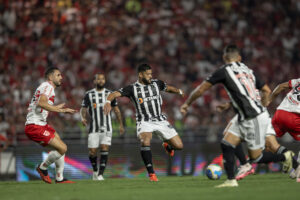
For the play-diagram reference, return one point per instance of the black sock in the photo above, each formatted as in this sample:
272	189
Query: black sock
228	158
169	148
267	157
45	172
103	161
93	160
239	153
147	158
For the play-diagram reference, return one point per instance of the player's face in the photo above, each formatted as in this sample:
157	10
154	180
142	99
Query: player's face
56	78
146	76
99	80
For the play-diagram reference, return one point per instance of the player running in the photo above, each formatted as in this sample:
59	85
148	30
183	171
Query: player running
145	95
287	115
100	132
37	129
252	120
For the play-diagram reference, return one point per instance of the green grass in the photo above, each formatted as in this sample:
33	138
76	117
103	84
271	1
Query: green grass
254	187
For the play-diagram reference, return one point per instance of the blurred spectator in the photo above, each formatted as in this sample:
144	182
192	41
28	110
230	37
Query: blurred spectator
181	39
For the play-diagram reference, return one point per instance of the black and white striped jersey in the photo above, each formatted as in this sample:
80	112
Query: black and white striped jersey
242	86
94	101
147	99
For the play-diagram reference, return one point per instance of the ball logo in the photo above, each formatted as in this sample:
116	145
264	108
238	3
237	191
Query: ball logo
46	133
94	105
141	100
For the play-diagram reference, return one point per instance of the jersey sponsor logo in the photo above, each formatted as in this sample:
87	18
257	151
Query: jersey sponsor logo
142	100
46	133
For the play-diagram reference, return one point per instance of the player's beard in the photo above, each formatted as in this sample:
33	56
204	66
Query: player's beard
145	81
100	87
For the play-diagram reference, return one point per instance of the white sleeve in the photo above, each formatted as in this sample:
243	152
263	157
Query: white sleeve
294	82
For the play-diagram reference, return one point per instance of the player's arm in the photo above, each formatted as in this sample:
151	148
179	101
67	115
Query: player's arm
119	118
172	89
281	87
265	95
196	93
83	114
110	98
43	103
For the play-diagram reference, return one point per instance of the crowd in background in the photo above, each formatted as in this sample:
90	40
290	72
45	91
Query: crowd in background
181	39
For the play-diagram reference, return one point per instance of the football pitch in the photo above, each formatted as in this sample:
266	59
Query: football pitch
268	186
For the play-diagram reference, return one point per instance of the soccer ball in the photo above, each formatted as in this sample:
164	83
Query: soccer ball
213	171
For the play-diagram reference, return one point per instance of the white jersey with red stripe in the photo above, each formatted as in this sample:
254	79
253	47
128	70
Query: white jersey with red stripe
36	114
291	102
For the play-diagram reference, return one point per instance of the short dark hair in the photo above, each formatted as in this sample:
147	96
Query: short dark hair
143	67
50	71
231	48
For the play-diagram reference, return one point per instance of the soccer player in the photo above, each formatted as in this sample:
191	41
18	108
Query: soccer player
252	120
271	146
287	115
145	95
100	132
39	131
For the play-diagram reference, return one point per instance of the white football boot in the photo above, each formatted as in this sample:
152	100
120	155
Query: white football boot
244	170
228	183
100	178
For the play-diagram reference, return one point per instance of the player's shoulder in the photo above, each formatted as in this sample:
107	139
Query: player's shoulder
90	91
108	91
156	81
45	84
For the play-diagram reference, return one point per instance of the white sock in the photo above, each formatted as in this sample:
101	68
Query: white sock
52	157
59	168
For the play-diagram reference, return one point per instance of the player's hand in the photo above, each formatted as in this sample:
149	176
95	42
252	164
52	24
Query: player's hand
122	130
181	93
107	108
183	109
222	107
59	106
69	110
84	122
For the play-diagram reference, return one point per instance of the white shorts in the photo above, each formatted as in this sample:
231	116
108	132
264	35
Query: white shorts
95	139
253	131
163	128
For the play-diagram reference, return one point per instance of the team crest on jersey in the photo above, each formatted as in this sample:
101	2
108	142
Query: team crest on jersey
46	133
297	89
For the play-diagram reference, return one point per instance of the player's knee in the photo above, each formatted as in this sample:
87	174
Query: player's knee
63	149
179	146
92	152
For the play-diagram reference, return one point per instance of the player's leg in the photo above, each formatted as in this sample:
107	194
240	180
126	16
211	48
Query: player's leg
172	144
172	140
145	139
289	162
93	145
228	144
104	148
60	148
245	167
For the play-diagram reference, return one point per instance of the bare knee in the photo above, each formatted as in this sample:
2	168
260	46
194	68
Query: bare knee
145	142
178	146
93	152
62	149
145	139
